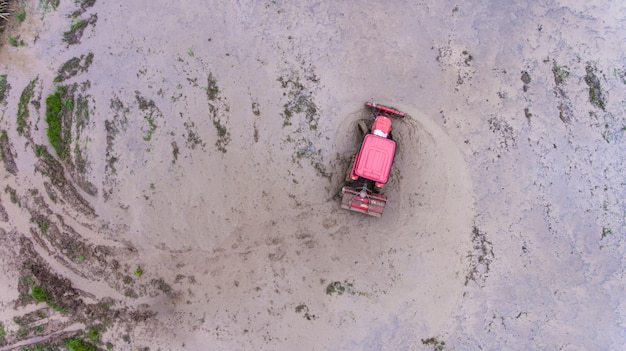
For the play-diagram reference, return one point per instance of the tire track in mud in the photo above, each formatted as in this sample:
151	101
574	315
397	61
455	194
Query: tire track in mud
411	262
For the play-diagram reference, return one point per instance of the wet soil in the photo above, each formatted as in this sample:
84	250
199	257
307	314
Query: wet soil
170	176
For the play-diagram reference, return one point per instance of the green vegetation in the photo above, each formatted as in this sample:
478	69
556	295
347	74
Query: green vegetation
22	108
78	23
138	272
12	195
151	109
77	28
93	334
20	14
47	4
300	101
597	96
4	137
59	105
151	127
4	88
339	288
560	73
43	224
53	111
44	347
76	344
3	333
190	52
14	41
74	66
40	294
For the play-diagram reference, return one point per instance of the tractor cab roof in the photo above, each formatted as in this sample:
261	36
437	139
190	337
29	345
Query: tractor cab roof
375	158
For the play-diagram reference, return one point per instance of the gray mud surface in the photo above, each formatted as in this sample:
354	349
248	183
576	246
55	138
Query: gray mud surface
171	170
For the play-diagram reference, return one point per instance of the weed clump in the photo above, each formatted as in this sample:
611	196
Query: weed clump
77	29
597	96
47	4
16	41
40	294
76	344
560	73
54	109
4	88
22	108
3	333
436	344
339	288
73	67
20	14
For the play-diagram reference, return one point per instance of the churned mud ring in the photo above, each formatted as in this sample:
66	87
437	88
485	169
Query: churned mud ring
428	217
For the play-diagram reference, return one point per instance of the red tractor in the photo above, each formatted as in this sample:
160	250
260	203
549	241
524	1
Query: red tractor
372	164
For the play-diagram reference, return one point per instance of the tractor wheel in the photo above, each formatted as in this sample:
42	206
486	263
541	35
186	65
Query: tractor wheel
348	179
363	128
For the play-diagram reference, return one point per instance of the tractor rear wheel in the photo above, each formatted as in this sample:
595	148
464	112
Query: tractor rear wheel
363	128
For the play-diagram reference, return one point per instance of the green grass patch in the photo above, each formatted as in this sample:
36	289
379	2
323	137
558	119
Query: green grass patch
44	347
22	108
75	33
339	288
40	294
15	41
93	334
12	195
42	223
151	127
597	96
138	272
20	14
46	5
57	107
3	333
4	88
76	344
560	73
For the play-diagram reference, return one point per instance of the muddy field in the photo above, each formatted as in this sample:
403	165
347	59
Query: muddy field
171	173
